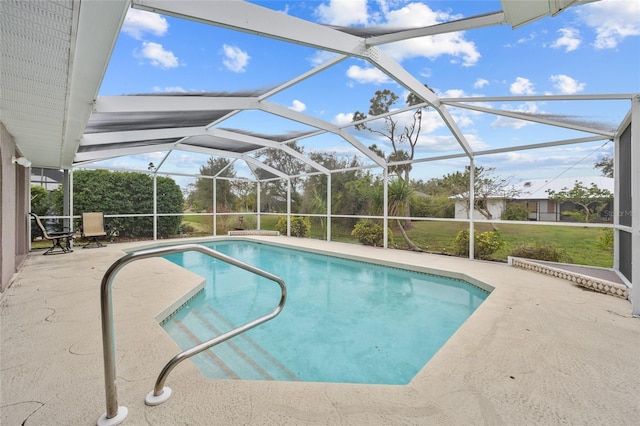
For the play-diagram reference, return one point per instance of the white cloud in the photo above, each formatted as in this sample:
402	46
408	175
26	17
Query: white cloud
367	75
569	40
420	15
453	93
320	57
157	56
411	15
565	84
343	13
342	119
297	105
140	22
612	20
480	83
522	86
235	59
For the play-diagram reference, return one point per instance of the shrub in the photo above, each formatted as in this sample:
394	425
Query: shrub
300	226
117	193
370	233
605	239
40	205
515	210
539	251
485	243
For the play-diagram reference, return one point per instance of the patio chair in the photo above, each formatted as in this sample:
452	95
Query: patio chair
57	238
93	228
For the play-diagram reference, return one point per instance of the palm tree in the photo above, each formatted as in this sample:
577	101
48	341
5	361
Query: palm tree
399	193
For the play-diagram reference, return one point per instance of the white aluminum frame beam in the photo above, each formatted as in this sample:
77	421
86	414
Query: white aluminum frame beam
479	21
94	47
92	156
268	144
119	104
544	98
253	19
91	139
635	206
290	114
222	153
533	118
403	77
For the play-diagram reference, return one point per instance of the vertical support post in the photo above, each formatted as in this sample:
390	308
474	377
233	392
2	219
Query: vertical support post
329	206
258	225
385	207
155	207
472	202
215	208
71	209
288	207
635	205
616	203
67	222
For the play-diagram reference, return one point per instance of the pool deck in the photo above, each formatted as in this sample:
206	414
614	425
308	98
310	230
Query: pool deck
539	350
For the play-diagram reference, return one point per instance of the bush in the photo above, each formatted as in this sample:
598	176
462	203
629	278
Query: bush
370	233
515	210
539	251
605	239
300	226
40	204
485	243
116	193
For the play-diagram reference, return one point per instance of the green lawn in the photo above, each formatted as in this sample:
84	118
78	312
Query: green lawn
578	243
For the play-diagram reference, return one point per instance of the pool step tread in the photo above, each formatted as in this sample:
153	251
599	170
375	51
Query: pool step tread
253	347
238	357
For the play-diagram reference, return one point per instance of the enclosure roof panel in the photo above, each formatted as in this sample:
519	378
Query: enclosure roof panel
54	56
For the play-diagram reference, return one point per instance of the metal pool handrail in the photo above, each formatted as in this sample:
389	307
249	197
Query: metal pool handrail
115	414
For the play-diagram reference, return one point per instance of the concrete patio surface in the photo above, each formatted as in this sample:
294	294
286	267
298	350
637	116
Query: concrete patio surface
539	350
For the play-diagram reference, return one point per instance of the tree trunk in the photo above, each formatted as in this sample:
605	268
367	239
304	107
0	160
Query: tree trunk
410	243
407	213
485	212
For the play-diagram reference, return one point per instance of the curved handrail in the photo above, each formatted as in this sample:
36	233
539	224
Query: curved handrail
113	416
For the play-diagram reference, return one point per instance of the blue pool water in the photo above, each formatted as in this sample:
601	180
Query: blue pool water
344	321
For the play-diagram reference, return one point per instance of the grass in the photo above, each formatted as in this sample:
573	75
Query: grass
579	244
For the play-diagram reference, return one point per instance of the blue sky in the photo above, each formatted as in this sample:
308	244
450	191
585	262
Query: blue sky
589	49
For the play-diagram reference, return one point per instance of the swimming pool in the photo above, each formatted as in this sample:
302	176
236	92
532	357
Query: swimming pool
344	321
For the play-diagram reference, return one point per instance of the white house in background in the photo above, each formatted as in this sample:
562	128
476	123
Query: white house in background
534	193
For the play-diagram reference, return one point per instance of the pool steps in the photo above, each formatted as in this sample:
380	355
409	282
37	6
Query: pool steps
238	358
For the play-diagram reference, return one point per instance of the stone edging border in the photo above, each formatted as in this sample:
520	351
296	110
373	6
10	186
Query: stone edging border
595	284
253	232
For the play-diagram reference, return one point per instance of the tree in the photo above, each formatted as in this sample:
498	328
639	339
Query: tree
245	192
201	192
40	200
350	189
398	194
395	133
273	195
591	201
606	166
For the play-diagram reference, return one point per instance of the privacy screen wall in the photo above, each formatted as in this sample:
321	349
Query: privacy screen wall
624	202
